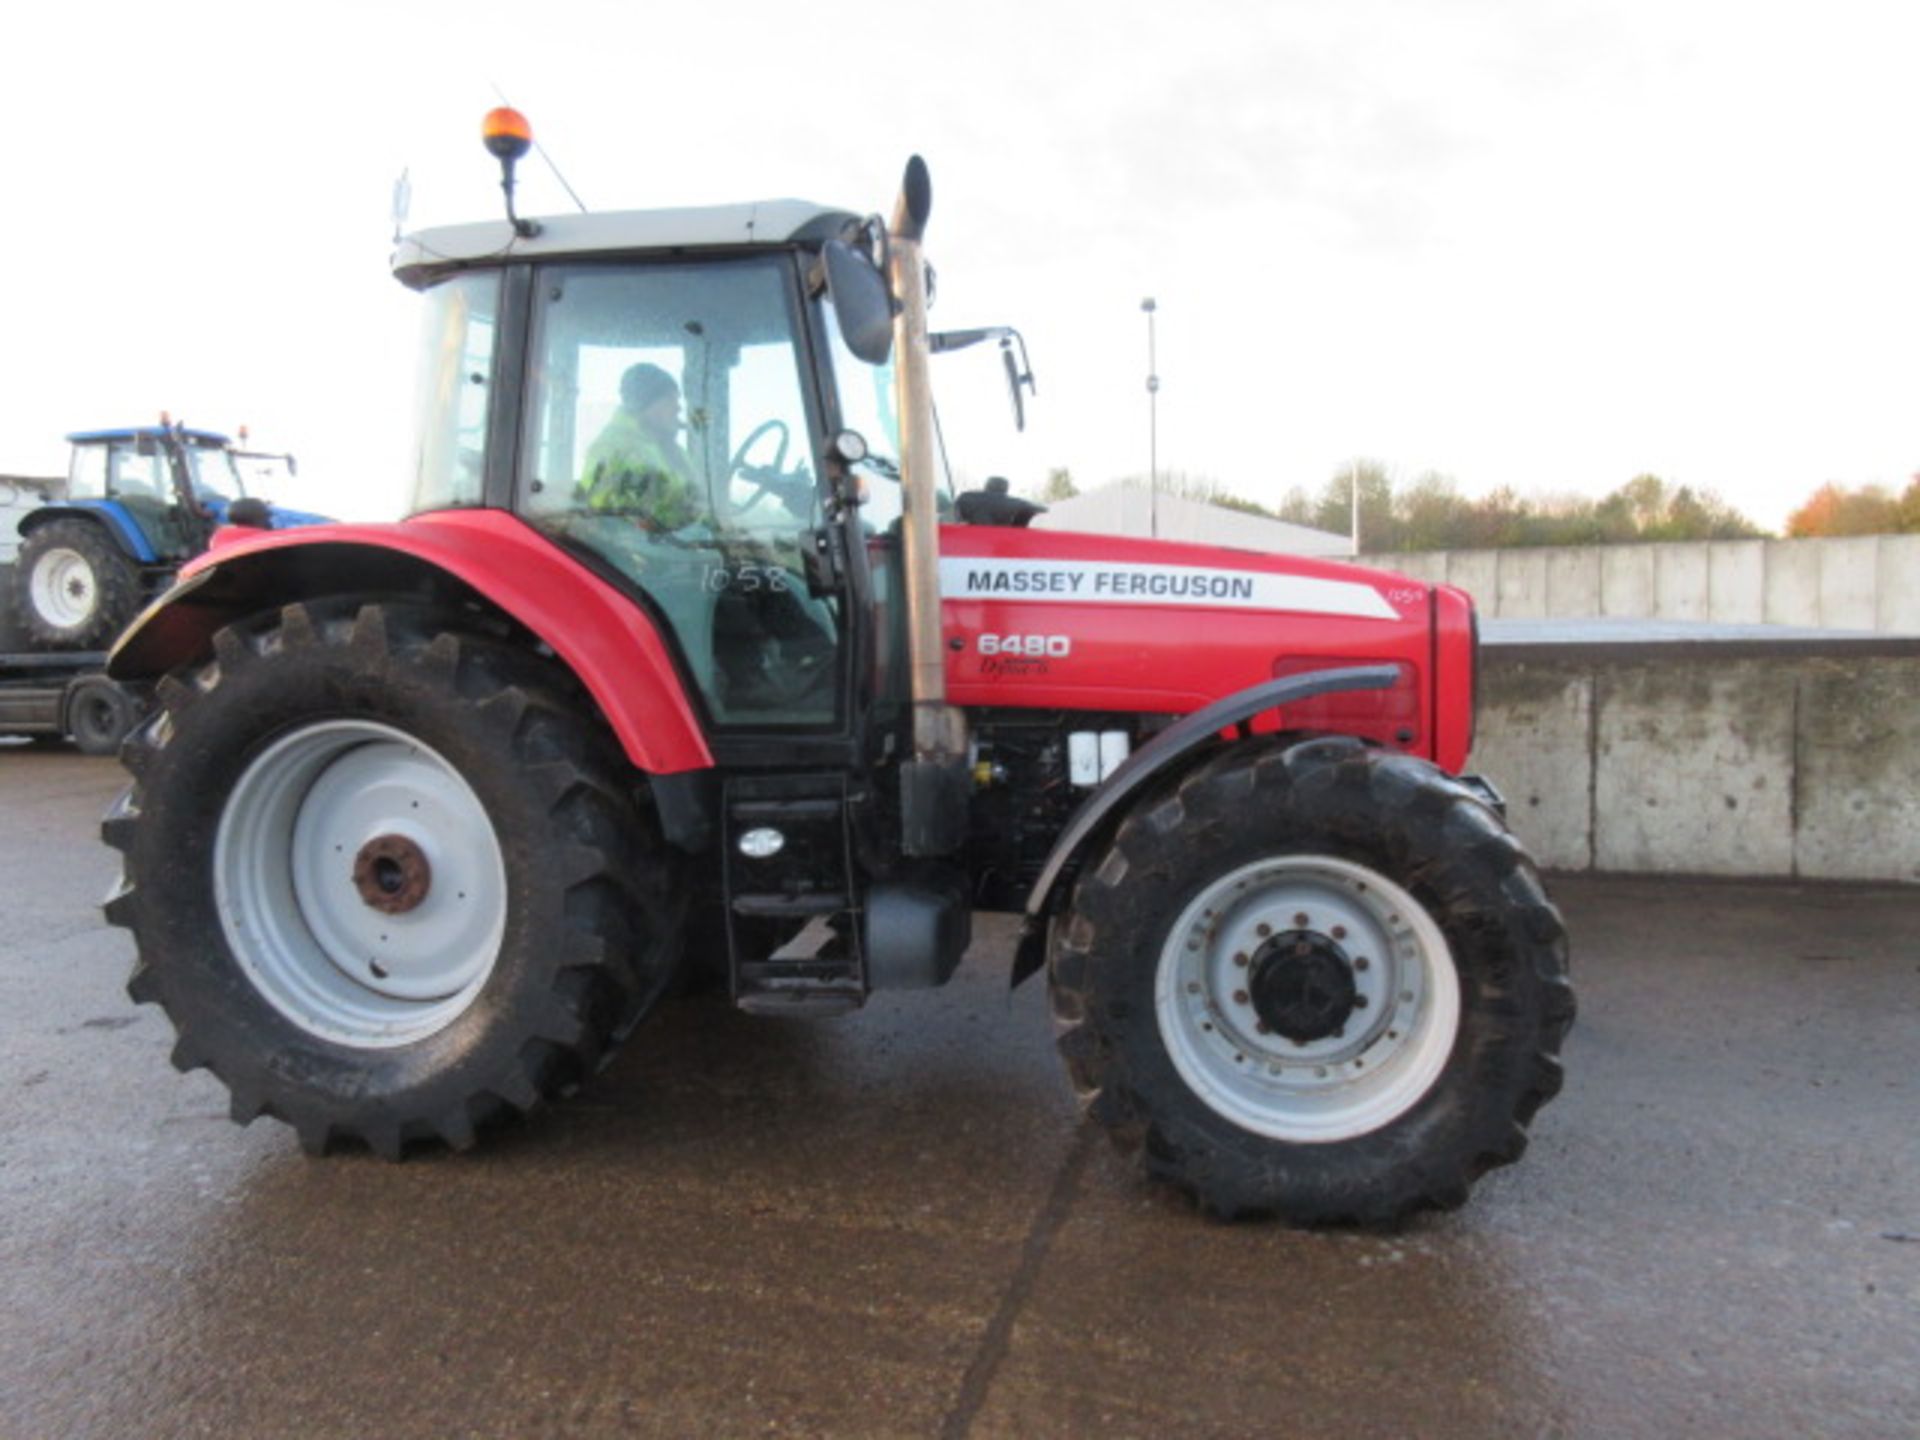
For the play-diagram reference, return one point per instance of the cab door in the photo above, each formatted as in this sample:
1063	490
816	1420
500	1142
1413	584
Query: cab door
669	438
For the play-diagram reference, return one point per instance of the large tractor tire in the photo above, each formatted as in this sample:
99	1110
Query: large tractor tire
1313	980
386	877
74	588
12	635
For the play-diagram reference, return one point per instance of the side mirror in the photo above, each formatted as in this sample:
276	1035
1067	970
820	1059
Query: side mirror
861	304
1019	368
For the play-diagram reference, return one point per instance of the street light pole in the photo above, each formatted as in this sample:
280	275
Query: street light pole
1353	485
1153	427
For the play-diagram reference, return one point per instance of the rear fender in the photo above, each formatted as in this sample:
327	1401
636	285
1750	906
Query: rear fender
108	516
1165	753
601	635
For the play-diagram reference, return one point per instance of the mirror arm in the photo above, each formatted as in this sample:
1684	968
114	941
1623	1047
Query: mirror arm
1026	365
945	340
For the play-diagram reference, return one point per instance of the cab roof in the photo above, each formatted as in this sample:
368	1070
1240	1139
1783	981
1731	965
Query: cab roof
424	256
146	432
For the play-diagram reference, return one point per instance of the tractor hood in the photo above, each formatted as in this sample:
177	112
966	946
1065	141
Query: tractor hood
280	517
1045	618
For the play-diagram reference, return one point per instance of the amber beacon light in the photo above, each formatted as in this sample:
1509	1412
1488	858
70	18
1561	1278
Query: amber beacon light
507	136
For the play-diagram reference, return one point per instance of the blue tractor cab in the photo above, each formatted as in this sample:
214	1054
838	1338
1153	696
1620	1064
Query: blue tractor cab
140	502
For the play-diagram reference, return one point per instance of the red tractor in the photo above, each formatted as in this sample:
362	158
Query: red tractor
431	814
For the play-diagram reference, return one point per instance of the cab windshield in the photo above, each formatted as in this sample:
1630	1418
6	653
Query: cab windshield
213	473
867	406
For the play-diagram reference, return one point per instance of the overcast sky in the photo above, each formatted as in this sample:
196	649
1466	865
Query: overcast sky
1547	245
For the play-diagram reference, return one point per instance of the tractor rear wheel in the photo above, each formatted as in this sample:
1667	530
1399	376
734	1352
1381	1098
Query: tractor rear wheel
75	589
385	877
1313	980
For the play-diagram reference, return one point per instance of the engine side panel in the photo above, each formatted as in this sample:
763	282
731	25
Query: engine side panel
1055	619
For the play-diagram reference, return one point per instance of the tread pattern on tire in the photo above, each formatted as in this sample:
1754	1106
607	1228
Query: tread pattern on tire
579	968
1408	820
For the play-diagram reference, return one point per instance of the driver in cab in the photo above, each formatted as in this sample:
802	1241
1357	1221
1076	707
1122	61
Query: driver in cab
637	466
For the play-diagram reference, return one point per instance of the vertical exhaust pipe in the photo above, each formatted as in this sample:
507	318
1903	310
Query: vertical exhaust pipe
934	790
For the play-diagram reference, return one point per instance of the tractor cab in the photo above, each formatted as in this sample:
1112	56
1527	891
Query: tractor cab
684	415
155	486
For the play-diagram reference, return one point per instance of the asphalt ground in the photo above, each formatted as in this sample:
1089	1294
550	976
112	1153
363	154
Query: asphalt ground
895	1223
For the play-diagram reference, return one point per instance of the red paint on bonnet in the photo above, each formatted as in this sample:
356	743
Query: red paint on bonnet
1173	658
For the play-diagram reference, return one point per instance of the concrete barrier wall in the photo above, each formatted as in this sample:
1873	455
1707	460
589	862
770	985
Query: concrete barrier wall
1870	583
1793	767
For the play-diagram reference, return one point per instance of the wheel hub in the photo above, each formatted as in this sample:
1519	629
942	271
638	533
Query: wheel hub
1302	986
62	587
392	874
1312	1045
328	900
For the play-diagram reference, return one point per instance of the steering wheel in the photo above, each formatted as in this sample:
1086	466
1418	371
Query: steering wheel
768	479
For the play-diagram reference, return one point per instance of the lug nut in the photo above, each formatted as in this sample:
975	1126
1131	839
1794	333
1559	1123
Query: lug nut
1300	921
1263	929
1360	962
1339	932
1239	997
1241	959
1263	1027
1359	1002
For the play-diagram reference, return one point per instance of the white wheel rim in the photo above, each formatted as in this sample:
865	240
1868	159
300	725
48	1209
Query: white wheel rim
63	587
310	809
1391	1048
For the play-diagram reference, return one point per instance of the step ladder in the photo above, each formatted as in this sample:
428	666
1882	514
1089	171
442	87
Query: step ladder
789	856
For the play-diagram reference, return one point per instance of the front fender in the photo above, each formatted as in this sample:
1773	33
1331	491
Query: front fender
1163	753
601	635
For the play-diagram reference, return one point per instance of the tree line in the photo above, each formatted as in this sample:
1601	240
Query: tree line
1869	510
1430	513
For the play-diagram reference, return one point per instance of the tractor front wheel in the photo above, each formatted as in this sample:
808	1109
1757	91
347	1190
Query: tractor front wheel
1313	980
74	588
385	877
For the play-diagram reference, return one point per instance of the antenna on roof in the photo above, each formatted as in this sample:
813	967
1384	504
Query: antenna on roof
541	151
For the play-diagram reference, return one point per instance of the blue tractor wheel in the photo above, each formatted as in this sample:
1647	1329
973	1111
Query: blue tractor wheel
74	588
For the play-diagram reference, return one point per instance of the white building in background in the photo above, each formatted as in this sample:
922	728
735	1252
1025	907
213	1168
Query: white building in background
19	496
1128	509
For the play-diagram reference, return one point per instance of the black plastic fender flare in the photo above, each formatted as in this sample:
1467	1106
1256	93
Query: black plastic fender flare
1151	760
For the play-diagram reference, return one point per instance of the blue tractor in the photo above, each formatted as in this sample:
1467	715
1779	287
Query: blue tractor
140	502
